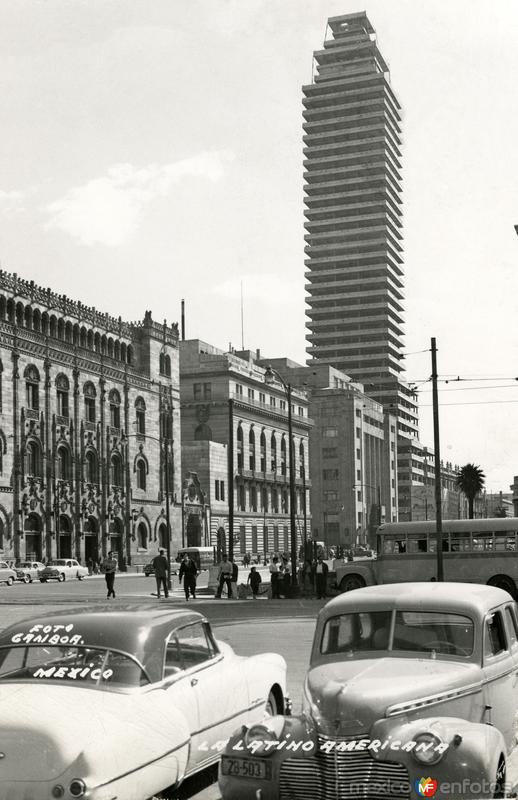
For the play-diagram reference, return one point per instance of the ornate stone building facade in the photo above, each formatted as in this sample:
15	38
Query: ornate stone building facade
89	412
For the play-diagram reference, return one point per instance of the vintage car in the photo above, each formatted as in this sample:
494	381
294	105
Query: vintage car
61	569
27	571
412	691
128	702
7	574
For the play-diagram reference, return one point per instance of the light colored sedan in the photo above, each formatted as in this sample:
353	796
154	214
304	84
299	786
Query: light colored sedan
122	704
412	690
61	569
28	571
7	575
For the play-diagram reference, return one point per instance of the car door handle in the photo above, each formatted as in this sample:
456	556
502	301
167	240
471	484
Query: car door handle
194	681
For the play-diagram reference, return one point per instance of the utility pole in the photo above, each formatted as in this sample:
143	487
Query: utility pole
436	442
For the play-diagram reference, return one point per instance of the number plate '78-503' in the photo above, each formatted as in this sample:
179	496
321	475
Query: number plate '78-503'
246	768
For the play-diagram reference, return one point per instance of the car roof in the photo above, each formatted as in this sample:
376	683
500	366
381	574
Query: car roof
471	598
138	630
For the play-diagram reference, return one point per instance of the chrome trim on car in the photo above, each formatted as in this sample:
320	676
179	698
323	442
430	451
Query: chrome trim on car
185	743
432	699
232	716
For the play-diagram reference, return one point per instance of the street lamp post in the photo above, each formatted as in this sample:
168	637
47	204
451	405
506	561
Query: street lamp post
269	377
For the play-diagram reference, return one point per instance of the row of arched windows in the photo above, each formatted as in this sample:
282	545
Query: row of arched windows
34	465
259	460
64	330
62	383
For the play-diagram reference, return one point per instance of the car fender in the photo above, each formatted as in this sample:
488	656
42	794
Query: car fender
262	672
471	755
364	569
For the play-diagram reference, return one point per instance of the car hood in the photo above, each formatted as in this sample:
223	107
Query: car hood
52	729
350	696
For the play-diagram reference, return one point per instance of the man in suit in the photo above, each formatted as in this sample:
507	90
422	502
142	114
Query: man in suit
321	570
160	565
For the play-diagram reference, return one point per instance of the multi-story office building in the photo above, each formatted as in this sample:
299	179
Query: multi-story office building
417	500
89	407
352	455
354	241
224	397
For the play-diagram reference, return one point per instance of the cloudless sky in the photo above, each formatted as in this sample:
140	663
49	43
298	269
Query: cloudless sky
152	151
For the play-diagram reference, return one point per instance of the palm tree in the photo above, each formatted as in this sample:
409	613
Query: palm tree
470	481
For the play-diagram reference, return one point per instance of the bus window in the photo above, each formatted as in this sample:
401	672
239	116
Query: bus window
416	545
400	546
483	541
388	545
460	541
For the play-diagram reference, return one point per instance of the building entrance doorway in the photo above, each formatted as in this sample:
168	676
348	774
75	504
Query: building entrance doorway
33	538
116	531
65	537
193	531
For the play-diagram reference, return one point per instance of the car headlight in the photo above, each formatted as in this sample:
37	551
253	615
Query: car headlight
430	751
261	739
77	788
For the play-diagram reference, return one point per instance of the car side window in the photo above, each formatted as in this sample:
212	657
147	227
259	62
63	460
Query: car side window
512	627
173	660
494	636
194	648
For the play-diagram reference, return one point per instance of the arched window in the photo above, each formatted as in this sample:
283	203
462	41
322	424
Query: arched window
2	534
62	463
161	362
140	414
203	433
262	451
91	471
162	536
89	394
62	391
239	447
251	449
32	380
273	448
283	456
115	404
302	460
68	332
61	329
33	459
36	320
284	501
142	536
116	470
167	366
140	469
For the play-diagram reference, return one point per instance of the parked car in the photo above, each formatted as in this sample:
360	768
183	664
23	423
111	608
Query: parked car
27	571
62	568
7	574
408	683
155	679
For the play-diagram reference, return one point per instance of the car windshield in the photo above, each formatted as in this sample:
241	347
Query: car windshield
94	667
432	632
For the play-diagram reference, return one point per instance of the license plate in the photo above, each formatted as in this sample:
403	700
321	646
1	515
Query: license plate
246	768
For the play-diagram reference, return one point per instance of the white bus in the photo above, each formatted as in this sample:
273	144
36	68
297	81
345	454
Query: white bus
474	551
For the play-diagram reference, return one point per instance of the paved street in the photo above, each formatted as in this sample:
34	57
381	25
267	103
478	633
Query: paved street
282	626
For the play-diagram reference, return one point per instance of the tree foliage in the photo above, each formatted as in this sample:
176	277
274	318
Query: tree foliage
470	481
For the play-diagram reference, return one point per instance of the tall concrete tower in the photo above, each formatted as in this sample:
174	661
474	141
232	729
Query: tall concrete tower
352	195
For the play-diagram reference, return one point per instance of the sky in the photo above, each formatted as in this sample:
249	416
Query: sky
152	152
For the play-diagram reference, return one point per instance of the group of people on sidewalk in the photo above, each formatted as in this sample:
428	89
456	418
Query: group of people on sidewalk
312	576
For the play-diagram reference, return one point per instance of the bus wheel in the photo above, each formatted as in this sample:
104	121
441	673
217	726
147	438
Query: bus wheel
351	582
504	582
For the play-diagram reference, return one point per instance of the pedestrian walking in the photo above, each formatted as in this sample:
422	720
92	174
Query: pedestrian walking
161	567
274	578
225	576
188	571
321	570
110	568
254	581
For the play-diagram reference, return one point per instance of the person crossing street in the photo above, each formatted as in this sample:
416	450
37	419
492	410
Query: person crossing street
110	568
188	571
